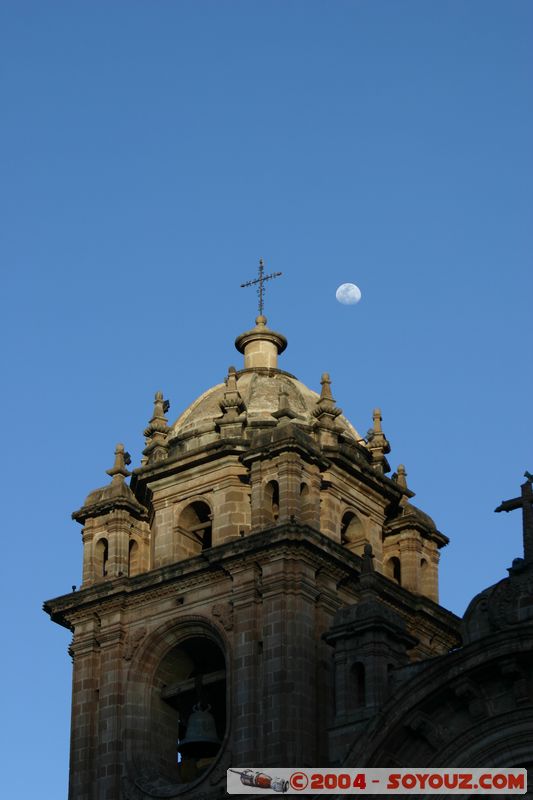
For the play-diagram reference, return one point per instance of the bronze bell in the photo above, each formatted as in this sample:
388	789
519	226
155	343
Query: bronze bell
201	739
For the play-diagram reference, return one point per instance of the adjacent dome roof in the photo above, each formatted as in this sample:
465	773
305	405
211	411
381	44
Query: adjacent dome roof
503	605
510	601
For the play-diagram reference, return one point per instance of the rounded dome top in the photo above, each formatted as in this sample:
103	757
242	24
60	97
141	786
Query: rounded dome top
262	393
502	605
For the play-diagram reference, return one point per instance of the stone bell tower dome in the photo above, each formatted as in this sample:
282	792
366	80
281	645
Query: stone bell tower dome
215	623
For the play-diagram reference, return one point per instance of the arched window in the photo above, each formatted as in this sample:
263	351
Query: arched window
189	715
352	532
394	569
133	558
195	526
101	557
272	499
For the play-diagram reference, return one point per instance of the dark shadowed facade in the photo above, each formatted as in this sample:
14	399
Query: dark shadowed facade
262	594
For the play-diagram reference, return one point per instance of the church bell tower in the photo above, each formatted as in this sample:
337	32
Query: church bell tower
248	595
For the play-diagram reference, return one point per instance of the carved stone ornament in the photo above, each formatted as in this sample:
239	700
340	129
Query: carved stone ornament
435	735
224	613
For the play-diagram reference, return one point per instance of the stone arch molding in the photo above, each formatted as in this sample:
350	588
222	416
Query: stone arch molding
500	742
444	717
143	779
184	503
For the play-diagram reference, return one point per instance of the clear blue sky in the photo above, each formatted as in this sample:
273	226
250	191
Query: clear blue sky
151	152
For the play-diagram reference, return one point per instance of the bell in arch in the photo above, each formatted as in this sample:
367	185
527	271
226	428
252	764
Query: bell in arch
201	738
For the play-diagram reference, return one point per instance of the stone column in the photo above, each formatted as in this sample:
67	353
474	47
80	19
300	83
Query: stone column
118	524
410	555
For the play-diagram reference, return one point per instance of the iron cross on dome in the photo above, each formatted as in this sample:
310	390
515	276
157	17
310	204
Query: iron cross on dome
525	502
261	280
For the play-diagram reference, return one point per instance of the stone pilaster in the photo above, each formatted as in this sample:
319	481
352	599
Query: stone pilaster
85	650
330	513
88	572
246	667
164	534
430	586
261	511
327	603
289	673
110	741
310	499
231	509
289	478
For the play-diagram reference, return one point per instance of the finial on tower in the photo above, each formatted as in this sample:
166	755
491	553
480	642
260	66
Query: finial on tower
325	383
326	413
401	478
159	422
284	413
118	471
326	404
232	403
378	443
156	432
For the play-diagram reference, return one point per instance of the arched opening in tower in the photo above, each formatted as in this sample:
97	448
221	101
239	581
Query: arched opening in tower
195	525
133	558
189	712
102	556
306	506
394	569
272	499
352	532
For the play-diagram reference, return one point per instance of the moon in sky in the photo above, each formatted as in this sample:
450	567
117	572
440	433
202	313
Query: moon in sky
348	294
